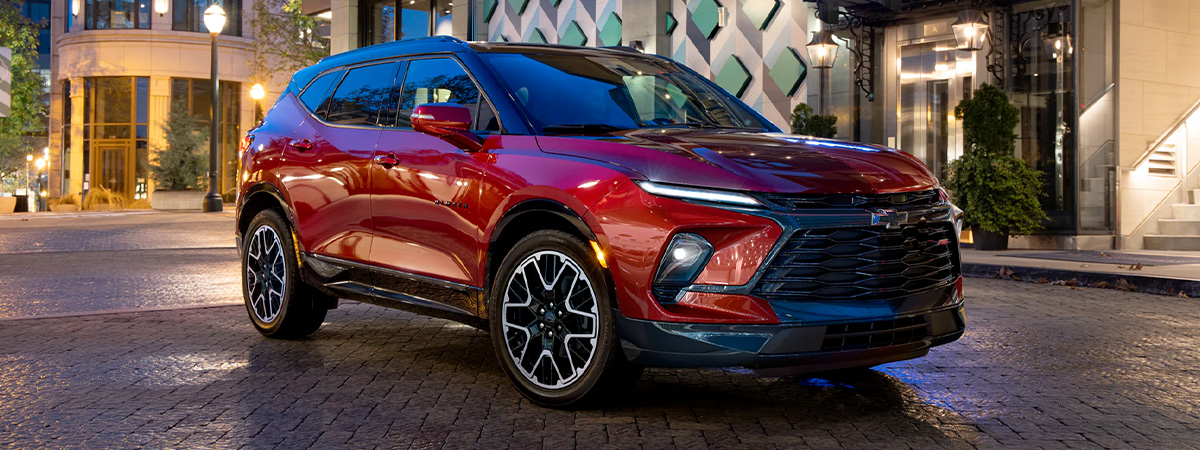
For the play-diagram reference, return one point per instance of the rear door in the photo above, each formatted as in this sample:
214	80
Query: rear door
426	218
329	159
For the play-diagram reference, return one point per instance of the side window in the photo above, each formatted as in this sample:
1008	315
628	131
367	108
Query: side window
442	80
315	94
364	93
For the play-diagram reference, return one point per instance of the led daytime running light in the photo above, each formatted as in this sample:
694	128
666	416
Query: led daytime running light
705	195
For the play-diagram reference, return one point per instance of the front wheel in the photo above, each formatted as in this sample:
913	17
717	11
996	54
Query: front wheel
551	322
279	303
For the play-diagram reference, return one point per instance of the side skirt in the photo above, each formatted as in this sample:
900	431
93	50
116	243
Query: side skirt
393	289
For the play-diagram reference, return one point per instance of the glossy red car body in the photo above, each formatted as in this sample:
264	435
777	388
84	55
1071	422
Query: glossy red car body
434	219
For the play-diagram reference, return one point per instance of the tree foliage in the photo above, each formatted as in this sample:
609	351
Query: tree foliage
28	114
182	164
997	191
808	123
285	40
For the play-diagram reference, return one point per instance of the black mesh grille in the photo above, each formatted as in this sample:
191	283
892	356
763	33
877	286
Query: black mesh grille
666	292
865	335
861	263
900	201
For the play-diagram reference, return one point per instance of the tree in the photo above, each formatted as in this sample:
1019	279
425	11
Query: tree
997	191
182	165
28	114
285	40
808	123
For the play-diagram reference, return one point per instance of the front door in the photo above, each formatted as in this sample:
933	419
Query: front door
425	206
113	167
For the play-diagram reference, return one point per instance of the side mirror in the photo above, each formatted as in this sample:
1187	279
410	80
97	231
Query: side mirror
448	121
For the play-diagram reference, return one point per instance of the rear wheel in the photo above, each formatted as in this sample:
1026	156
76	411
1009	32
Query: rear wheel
552	325
279	303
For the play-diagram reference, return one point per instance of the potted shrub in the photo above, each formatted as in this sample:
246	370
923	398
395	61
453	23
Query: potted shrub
998	193
69	203
179	169
100	198
808	123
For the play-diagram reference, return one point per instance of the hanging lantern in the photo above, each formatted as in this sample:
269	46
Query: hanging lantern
822	50
970	30
1058	42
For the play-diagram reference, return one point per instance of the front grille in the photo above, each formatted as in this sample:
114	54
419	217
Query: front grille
865	335
666	292
898	201
868	263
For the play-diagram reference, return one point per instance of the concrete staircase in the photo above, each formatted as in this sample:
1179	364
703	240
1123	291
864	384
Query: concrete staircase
1182	231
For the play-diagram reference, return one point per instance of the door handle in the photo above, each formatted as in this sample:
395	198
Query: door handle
386	160
303	145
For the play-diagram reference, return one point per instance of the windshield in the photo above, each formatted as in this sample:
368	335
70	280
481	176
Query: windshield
564	93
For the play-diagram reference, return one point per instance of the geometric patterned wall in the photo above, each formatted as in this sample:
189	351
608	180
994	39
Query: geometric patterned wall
594	23
759	51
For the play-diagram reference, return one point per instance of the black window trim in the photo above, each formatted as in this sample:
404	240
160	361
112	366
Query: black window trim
346	71
478	87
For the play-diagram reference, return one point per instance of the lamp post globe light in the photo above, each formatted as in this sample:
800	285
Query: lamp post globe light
970	31
257	92
214	20
822	51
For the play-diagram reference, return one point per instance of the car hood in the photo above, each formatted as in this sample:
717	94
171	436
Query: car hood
762	162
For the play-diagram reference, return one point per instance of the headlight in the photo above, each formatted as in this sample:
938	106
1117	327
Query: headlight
685	257
705	195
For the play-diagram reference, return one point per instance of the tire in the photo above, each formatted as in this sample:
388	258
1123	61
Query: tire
586	343
280	304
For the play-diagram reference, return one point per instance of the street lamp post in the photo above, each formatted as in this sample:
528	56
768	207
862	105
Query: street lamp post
214	20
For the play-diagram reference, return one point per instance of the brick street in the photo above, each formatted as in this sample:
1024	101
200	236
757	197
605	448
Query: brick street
1040	366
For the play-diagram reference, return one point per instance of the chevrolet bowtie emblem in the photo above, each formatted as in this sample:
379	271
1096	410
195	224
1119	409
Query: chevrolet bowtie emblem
889	218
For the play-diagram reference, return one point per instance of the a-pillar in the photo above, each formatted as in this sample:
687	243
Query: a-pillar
646	21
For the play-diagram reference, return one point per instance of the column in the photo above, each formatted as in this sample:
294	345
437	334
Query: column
343	28
160	109
646	21
76	136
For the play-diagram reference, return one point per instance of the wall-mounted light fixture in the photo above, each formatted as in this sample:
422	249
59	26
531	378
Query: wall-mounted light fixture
161	6
75	7
822	50
970	31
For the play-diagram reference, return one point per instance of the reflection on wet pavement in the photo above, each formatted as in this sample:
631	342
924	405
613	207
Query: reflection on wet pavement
115	262
1040	366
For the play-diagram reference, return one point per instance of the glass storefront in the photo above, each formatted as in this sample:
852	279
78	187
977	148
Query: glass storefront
197	94
934	77
188	15
117	14
115	128
417	18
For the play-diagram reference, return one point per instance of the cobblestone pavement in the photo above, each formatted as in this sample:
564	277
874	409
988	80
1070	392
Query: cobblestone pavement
62	264
1040	366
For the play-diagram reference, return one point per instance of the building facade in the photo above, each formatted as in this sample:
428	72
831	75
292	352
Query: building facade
116	69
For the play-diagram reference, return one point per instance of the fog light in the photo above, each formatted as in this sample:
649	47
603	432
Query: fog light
685	257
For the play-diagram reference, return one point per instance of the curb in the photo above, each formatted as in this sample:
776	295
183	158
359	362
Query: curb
1145	284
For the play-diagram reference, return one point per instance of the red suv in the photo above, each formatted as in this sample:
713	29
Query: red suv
596	210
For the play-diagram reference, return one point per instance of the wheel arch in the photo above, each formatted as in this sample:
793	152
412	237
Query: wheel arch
533	215
259	198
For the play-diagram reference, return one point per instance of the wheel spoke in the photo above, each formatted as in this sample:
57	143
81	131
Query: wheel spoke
266	273
550	333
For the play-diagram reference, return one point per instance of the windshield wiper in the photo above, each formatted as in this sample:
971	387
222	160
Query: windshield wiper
707	125
581	128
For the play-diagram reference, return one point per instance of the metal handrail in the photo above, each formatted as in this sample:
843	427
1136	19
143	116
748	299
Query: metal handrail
1093	101
1163	138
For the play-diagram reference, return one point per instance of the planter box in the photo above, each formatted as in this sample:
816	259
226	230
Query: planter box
177	200
64	208
7	205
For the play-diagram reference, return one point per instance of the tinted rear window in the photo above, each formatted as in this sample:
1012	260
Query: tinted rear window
363	94
315	93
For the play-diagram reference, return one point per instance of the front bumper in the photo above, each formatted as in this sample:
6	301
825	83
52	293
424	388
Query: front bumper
789	348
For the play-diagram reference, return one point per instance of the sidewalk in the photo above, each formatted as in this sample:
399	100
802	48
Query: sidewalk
1153	272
